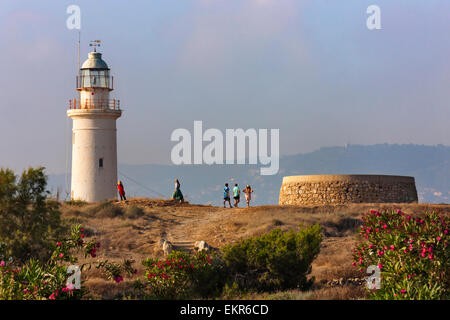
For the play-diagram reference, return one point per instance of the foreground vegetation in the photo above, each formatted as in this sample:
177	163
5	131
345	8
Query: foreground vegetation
412	254
261	253
274	261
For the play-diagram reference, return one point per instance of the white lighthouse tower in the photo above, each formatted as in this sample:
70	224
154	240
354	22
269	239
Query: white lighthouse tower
94	142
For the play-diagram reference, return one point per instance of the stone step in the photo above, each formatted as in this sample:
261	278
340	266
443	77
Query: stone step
183	245
185	249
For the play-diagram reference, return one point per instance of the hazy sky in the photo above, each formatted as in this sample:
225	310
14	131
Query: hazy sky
309	68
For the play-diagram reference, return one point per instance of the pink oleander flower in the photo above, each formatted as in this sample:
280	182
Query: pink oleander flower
438	239
403	291
392	247
380	266
384	226
380	253
2	263
61	255
59	244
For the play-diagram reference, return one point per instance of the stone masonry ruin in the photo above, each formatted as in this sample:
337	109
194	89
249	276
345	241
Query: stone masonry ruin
341	189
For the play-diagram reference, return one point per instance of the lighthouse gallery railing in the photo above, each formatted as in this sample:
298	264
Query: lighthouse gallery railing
110	104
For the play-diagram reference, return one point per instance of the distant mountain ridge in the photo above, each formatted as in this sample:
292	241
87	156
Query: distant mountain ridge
430	165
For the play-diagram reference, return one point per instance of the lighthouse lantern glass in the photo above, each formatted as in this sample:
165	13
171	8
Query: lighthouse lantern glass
91	78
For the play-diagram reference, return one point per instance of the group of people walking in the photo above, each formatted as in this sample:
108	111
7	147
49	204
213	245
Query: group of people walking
178	195
236	195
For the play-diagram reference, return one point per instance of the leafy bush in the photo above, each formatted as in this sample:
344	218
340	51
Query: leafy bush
274	261
210	275
412	253
28	221
181	276
36	280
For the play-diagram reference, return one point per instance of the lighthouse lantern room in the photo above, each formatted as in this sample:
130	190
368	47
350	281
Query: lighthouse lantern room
94	137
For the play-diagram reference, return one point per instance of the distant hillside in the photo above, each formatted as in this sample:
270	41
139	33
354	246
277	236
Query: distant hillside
430	165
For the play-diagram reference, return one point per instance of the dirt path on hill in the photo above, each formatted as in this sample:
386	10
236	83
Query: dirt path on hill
192	226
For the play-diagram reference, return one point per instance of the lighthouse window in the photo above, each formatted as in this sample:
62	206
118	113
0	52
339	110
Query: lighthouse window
100	163
94	78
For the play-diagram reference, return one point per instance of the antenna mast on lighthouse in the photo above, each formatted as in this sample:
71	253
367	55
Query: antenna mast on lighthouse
79	44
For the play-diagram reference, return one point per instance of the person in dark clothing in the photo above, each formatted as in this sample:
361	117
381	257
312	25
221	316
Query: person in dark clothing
226	196
177	195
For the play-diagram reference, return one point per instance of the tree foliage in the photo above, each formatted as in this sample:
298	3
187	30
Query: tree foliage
28	220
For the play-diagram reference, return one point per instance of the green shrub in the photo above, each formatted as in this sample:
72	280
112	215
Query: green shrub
42	280
134	212
274	261
210	275
231	290
412	253
182	276
28	221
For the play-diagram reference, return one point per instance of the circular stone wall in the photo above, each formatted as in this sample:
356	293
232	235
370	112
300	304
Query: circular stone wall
340	189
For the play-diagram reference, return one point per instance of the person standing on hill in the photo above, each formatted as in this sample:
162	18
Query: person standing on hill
236	195
177	195
248	194
121	191
226	196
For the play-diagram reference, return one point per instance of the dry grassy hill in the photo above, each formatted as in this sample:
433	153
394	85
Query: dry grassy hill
132	230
